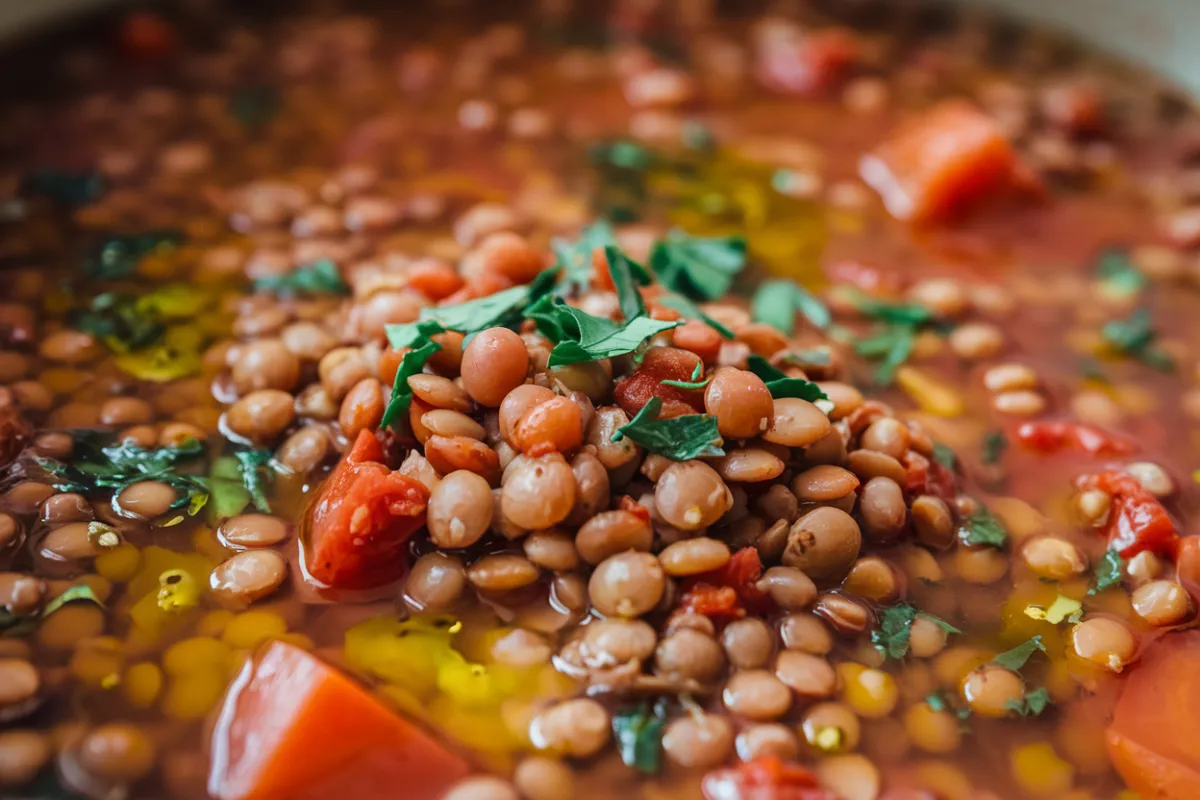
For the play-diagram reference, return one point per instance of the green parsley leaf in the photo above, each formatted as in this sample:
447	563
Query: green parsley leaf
1032	704
120	321
628	297
1108	572
1117	271
983	528
994	445
410	364
638	733
227	489
319	277
252	464
906	314
895	626
501	309
945	456
697	382
780	385
623	153
18	625
698	267
412	334
591	338
95	469
691	311
776	303
938	701
118	254
1015	659
575	258
679	438
1135	337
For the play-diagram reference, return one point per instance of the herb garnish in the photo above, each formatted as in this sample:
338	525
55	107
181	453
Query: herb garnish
894	343
410	364
1015	659
697	382
777	302
580	337
780	385
697	267
18	625
1117	271
119	321
116	467
638	732
1135	337
895	626
691	311
994	445
679	438
983	528
575	258
1108	572
502	309
253	465
1032	704
118	254
945	456
319	277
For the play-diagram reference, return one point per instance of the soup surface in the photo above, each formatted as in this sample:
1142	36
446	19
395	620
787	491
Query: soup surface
649	400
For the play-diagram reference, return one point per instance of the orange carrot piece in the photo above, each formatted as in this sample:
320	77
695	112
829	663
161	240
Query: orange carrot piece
294	728
937	166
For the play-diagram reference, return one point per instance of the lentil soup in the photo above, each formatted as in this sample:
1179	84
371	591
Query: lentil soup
642	399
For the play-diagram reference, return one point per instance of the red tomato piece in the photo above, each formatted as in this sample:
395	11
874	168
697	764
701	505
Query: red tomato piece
729	592
936	166
145	36
928	476
764	778
719	603
1156	723
294	728
1052	437
1137	521
362	520
660	364
806	64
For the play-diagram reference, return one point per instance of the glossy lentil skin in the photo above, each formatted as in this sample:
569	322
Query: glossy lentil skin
437	169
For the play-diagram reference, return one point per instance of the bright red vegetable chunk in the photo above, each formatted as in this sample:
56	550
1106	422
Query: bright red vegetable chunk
661	364
1053	437
937	166
928	476
294	728
1137	521
764	778
730	592
795	62
362	520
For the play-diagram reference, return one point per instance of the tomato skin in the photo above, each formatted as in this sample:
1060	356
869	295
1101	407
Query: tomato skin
362	520
1052	437
928	476
1156	722
660	364
763	778
727	593
1137	521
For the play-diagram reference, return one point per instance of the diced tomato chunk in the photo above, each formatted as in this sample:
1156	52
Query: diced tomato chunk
764	778
928	476
294	728
935	167
362	520
729	592
1137	521
1051	437
796	62
660	364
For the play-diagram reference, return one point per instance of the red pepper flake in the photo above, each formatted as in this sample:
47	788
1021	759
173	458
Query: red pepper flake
1053	437
1137	521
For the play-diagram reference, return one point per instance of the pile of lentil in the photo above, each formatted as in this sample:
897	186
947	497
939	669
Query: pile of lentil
579	417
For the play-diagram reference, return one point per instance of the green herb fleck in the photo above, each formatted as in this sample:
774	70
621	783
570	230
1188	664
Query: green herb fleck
253	466
983	528
581	337
638	732
622	270
18	625
117	255
679	438
780	385
696	267
319	277
697	382
1108	572
895	626
227	489
994	445
412	334
777	302
1015	659
410	364
118	321
1091	370
575	258
1032	704
254	106
945	456
692	311
1116	270
1135	337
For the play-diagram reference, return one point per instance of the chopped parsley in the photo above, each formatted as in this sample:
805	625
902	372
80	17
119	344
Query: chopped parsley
777	302
581	337
502	309
117	255
319	277
1134	337
638	732
1118	273
18	625
895	626
697	381
945	456
679	438
411	363
1032	704
1108	572
575	258
1015	659
994	445
625	280
253	466
894	342
940	702
691	311
983	528
697	267
120	321
780	385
